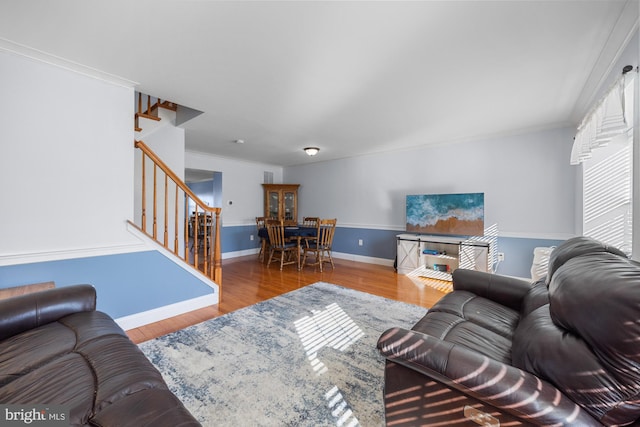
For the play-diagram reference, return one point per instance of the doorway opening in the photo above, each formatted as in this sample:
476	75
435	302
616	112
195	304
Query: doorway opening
207	185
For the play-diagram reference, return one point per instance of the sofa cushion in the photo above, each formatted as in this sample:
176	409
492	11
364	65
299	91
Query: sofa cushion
566	361
27	351
537	296
66	380
477	323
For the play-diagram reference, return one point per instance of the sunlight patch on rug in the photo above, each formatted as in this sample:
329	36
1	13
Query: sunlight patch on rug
334	328
329	327
305	358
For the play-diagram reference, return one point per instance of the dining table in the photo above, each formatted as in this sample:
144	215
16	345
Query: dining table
294	232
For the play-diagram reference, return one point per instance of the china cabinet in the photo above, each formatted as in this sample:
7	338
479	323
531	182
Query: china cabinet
281	201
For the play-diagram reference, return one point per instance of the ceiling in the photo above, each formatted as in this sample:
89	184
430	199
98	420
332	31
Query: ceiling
348	77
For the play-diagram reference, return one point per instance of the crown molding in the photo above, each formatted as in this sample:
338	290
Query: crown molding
38	55
625	28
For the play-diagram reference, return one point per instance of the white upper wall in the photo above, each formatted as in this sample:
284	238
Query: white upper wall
66	160
242	195
527	181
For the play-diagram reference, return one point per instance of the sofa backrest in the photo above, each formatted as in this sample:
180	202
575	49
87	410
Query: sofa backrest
586	340
575	247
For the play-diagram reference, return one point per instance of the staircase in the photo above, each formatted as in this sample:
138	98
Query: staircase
167	211
148	108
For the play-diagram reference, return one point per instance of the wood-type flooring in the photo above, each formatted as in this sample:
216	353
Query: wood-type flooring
247	281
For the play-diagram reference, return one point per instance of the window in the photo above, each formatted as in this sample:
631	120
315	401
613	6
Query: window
608	184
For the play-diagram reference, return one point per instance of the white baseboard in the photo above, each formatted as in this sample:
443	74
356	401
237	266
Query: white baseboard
161	313
339	255
366	259
236	254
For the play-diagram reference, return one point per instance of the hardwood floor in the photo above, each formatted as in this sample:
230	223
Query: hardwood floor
246	281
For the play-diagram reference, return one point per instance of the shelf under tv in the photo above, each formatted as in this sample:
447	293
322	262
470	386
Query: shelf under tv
436	257
423	272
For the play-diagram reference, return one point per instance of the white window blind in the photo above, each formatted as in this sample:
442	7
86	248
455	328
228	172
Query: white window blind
607	185
608	167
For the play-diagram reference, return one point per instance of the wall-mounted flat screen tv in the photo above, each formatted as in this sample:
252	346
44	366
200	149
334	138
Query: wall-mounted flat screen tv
448	214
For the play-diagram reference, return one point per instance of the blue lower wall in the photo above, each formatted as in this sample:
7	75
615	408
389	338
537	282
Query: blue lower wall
135	282
237	238
382	244
125	283
518	254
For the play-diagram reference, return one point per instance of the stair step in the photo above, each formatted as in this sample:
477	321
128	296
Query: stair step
169	105
147	116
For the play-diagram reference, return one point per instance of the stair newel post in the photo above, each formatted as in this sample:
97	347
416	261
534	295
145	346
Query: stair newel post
217	254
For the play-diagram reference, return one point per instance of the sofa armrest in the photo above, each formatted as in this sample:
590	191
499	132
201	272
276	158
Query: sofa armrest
502	386
29	311
505	290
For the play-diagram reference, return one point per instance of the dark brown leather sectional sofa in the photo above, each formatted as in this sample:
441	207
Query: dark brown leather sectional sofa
56	349
501	351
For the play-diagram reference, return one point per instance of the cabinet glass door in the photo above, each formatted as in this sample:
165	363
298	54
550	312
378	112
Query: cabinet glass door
274	204
289	206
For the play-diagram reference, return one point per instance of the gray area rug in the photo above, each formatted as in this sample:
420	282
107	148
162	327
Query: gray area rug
305	358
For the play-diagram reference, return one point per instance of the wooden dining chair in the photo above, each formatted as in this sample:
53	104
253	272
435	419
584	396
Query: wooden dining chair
201	229
320	247
287	251
264	241
310	221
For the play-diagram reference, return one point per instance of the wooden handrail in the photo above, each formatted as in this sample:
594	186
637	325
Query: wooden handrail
204	223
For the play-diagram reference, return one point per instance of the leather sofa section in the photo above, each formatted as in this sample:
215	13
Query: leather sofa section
483	312
152	407
511	391
537	296
91	325
29	311
564	360
447	405
120	369
477	323
470	335
568	352
68	380
83	361
29	350
588	335
504	290
575	247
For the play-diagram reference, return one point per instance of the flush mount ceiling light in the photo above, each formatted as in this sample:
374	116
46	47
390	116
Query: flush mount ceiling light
312	151
239	141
